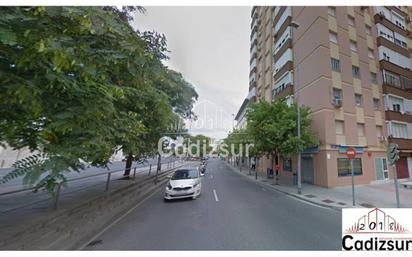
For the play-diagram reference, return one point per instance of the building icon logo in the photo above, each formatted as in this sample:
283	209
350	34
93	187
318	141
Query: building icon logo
376	221
376	229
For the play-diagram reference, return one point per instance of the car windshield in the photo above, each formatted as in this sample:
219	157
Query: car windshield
185	174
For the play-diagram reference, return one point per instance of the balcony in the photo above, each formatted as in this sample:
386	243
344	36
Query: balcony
252	78
283	91
380	18
253	65
253	50
394	68
397	116
393	45
255	23
252	93
253	37
403	143
398	81
254	13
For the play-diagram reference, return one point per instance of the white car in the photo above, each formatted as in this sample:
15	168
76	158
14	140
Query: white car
184	183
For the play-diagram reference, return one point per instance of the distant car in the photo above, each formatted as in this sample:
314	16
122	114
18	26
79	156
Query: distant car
184	183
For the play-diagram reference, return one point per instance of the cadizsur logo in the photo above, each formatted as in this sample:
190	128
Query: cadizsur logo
376	229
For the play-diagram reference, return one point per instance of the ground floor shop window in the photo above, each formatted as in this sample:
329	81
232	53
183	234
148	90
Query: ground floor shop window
344	167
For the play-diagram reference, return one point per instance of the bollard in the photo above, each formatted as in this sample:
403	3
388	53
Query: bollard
134	173
108	181
56	197
150	169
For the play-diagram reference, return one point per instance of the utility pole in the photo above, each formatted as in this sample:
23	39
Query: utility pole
295	25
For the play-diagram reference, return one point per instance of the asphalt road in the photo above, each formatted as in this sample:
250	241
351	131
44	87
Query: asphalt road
232	213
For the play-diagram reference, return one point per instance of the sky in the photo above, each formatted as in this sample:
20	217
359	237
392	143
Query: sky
210	47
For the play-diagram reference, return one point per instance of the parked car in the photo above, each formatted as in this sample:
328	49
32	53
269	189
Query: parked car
184	183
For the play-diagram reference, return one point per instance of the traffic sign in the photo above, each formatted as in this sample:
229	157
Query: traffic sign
350	152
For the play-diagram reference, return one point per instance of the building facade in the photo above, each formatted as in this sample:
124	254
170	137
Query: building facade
352	67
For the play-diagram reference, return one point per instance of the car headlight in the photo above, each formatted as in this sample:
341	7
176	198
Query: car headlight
195	185
169	186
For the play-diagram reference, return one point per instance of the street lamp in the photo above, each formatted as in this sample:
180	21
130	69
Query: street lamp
295	25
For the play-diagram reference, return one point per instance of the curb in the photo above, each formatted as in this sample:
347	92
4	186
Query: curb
70	237
336	208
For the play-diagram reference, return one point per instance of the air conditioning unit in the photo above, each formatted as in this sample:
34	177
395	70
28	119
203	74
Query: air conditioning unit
337	102
382	14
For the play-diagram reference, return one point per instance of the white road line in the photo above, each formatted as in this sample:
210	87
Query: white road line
263	189
214	192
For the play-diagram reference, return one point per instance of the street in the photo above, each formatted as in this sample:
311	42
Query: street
232	213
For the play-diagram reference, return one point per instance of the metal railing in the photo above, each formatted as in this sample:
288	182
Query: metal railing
170	164
397	81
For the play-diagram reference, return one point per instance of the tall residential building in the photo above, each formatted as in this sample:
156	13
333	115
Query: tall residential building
352	67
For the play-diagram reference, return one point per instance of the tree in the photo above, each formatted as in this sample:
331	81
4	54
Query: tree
77	82
273	126
198	143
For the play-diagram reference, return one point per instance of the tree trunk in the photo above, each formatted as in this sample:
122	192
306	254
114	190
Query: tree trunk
159	166
129	162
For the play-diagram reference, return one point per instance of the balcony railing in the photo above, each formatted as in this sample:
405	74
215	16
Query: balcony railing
397	81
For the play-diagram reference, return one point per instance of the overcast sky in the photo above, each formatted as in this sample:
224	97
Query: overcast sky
210	47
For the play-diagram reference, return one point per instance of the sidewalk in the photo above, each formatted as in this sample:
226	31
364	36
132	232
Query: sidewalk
16	208
366	196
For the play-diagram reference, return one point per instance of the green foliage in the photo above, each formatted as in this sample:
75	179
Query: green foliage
273	128
78	82
201	143
238	143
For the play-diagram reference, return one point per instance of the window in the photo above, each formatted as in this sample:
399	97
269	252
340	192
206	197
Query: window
335	64
376	104
361	130
368	30
399	130
287	164
379	132
370	54
374	78
332	11
351	21
353	46
333	37
355	72
397	104
337	94
344	168
339	127
358	100
396	107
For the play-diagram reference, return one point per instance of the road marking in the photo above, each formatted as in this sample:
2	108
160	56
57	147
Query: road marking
211	176
263	189
214	192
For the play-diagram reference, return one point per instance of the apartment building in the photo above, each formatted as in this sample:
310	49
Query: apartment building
352	66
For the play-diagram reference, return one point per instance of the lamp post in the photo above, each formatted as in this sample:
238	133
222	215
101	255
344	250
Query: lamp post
295	25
